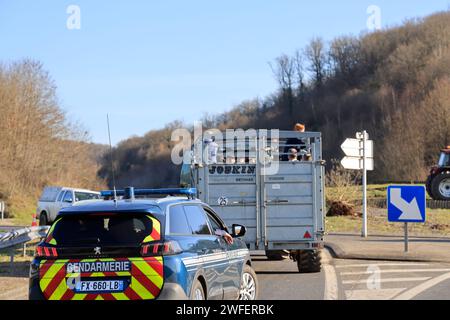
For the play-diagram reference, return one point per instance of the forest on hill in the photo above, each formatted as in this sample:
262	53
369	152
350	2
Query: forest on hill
39	146
394	83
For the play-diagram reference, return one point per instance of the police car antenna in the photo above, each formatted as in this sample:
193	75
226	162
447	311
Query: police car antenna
112	161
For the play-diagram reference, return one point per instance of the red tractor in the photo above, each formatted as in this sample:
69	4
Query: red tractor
438	182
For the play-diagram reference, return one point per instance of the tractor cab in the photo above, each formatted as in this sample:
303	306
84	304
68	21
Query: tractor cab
438	182
444	159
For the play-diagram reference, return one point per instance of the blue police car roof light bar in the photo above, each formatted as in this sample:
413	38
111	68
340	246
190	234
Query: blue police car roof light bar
131	192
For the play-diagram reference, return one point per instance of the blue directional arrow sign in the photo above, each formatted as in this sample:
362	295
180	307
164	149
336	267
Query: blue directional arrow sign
406	203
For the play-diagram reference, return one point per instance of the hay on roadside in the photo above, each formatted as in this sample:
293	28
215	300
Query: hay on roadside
340	208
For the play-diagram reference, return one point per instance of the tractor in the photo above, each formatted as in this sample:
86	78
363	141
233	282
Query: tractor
438	182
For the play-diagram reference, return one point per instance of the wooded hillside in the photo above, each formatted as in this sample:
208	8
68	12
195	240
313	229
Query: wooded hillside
39	146
394	83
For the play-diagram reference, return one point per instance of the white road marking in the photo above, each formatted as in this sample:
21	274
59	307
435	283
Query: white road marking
388	280
380	264
331	284
380	294
393	271
411	293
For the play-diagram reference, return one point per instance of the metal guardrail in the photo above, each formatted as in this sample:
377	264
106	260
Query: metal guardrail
22	236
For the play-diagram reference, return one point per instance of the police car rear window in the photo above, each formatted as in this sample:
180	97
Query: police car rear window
113	230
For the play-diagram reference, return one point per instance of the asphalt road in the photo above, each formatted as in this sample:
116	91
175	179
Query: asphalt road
353	280
280	280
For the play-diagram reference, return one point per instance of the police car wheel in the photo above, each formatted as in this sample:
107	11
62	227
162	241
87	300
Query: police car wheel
197	291
249	284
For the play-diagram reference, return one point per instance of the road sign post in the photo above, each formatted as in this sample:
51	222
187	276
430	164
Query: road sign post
406	203
2	209
406	236
359	156
364	230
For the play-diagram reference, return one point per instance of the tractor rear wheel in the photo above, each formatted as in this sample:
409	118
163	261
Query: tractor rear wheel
428	185
440	186
308	261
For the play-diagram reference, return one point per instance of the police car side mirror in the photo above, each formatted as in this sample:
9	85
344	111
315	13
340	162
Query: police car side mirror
238	230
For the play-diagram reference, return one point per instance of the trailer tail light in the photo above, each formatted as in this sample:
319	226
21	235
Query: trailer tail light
166	248
307	235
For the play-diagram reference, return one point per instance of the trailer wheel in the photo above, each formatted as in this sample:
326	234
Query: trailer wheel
276	255
440	186
308	261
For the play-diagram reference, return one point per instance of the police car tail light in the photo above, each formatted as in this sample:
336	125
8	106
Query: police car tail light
166	248
46	252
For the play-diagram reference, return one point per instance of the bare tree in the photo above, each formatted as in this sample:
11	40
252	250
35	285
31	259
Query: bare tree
344	55
315	52
299	67
435	116
38	144
284	71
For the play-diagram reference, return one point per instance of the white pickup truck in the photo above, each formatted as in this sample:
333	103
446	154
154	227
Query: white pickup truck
53	199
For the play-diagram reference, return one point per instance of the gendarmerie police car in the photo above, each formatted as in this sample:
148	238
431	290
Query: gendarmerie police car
142	249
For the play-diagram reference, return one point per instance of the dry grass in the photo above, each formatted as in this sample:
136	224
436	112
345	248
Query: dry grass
437	224
21	209
374	191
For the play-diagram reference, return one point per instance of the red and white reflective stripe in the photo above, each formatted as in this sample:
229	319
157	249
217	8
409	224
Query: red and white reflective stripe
46	252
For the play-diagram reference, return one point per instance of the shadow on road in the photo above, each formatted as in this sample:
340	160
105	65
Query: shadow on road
277	272
17	270
260	259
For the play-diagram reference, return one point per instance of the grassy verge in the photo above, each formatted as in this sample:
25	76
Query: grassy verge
354	193
21	265
437	224
21	210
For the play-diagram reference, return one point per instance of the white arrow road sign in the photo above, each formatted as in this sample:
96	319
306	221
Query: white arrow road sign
356	163
411	210
353	148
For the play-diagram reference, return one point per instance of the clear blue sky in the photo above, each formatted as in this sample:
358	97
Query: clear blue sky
147	63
